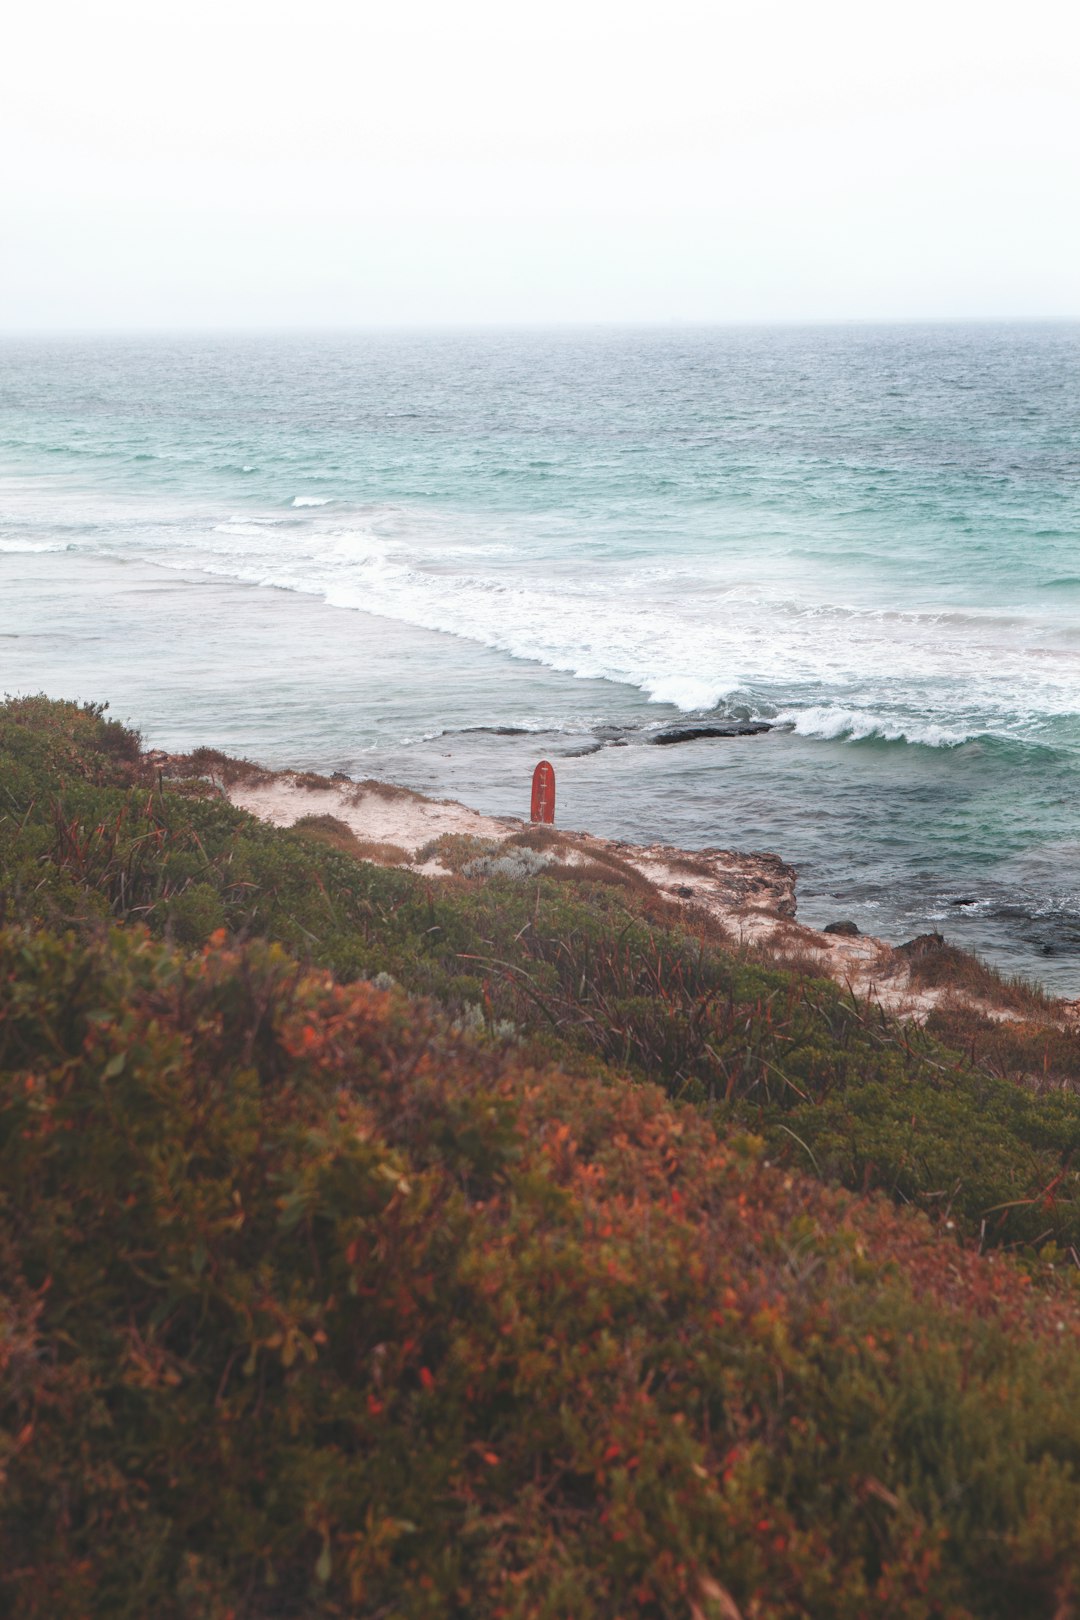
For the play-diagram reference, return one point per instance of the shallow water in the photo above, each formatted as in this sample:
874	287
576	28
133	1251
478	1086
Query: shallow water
348	553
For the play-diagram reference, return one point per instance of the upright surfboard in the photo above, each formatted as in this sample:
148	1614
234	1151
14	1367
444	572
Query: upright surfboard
543	793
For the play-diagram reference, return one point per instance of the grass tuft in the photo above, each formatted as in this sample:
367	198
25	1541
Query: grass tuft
938	965
331	833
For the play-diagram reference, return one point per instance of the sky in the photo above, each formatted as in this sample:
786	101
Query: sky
245	163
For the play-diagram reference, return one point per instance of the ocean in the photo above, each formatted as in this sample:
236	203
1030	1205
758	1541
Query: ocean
440	556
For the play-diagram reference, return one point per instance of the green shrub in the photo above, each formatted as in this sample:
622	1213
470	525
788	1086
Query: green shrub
310	1307
194	914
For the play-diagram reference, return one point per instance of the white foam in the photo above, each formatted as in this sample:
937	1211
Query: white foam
855	725
688	647
480	550
691	692
20	546
689	632
253	526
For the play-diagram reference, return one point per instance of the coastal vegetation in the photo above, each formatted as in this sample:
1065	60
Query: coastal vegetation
506	1244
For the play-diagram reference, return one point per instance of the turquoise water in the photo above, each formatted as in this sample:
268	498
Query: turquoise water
350	552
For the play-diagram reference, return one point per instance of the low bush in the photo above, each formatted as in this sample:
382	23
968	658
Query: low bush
310	1307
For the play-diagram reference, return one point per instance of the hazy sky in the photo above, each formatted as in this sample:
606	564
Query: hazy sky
327	163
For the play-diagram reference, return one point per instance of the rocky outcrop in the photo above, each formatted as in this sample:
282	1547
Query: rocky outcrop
751	895
921	945
726	882
717	728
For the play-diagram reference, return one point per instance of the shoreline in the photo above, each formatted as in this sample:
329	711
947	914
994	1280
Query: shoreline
902	840
750	896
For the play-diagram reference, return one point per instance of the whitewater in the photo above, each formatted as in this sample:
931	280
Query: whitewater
434	554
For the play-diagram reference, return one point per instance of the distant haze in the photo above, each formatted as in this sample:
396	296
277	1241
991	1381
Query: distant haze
332	163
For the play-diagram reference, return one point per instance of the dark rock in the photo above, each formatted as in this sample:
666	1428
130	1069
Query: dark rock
340	776
725	728
921	945
495	731
683	892
968	900
849	928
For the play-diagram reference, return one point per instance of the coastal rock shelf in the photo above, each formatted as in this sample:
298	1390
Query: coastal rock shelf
725	882
751	896
719	728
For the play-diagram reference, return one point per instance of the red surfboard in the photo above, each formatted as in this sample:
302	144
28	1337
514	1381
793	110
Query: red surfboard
543	793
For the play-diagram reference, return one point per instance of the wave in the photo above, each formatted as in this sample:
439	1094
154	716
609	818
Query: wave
698	633
865	727
254	527
18	548
520	728
834	724
694	644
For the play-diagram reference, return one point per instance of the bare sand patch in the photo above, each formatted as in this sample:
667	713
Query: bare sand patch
377	813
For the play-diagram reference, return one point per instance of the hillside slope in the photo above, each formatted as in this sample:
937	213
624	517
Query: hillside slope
532	1292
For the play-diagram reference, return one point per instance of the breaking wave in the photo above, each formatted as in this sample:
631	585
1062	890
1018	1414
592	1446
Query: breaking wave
694	642
853	725
696	631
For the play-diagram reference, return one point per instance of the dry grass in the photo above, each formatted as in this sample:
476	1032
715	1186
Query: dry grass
221	767
600	871
593	865
939	966
384	790
381	852
331	833
539	837
789	948
1039	1055
230	772
455	851
650	903
693	865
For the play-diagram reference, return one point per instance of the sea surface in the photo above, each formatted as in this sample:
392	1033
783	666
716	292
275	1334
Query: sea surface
439	556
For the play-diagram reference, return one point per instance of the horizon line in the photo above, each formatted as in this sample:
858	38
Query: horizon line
653	324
